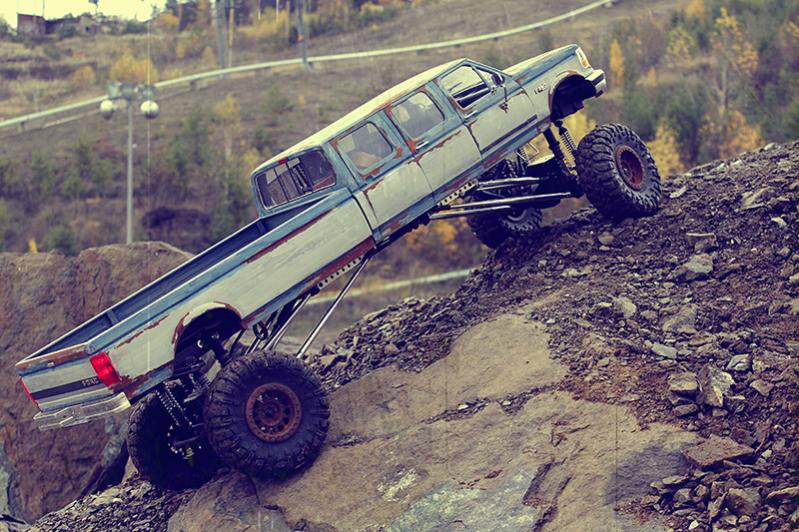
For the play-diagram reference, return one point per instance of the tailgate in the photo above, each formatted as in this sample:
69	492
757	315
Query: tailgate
66	377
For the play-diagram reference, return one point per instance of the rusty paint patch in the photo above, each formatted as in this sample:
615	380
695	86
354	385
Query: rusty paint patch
61	356
131	387
437	146
179	329
561	77
142	331
356	252
278	243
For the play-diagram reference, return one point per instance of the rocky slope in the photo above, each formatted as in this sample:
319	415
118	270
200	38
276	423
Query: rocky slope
43	296
629	376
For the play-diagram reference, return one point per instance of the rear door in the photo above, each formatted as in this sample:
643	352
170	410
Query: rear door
494	107
442	144
391	187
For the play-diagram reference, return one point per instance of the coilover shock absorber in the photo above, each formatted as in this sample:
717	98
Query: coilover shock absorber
567	138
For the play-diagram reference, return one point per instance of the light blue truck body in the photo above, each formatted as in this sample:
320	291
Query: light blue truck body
323	204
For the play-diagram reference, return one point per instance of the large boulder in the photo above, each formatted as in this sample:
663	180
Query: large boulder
43	296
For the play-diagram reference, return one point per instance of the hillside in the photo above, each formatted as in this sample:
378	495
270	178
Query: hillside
626	376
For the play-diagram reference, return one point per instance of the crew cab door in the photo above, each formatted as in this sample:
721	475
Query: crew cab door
494	107
435	133
391	187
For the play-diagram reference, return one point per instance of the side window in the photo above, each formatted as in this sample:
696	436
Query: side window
366	146
295	178
465	86
417	115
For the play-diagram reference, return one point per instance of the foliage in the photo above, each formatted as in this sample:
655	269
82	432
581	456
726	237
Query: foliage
695	9
665	151
6	224
275	105
227	114
134	27
44	176
731	134
682	45
167	23
616	62
61	238
271	27
83	77
792	120
90	169
209	57
131	69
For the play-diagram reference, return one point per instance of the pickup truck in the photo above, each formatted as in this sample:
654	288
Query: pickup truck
447	142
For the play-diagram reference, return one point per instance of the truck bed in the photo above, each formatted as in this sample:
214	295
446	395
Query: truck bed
163	285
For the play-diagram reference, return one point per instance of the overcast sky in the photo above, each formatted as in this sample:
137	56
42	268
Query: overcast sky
139	9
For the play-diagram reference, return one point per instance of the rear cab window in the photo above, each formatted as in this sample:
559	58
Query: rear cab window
294	178
417	115
366	147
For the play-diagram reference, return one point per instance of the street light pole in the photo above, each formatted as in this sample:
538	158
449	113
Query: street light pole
130	93
129	220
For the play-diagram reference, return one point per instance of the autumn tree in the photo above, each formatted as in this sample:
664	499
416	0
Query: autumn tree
83	77
682	45
616	62
227	113
737	58
695	9
130	69
666	151
729	134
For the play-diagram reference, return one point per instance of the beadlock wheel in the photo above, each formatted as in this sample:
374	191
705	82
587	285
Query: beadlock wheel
273	412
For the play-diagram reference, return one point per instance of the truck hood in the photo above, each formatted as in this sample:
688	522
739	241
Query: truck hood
543	62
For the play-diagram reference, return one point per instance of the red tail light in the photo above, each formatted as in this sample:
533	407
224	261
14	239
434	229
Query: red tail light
22	383
104	369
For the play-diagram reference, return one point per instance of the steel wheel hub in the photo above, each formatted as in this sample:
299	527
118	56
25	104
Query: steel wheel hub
273	412
630	166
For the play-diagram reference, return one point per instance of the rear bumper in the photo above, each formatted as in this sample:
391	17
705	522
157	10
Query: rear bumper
77	414
597	79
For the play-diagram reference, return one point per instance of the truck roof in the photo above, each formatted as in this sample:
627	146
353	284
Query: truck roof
362	112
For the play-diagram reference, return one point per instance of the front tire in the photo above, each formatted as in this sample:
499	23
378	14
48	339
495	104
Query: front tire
266	414
154	455
617	173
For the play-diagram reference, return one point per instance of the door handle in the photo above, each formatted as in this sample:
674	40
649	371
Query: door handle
421	144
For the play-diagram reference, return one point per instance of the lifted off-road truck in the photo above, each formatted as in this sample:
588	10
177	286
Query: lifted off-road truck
447	142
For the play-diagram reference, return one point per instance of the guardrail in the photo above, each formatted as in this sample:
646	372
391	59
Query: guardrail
21	120
396	285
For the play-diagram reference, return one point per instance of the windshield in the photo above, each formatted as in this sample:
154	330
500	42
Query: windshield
295	178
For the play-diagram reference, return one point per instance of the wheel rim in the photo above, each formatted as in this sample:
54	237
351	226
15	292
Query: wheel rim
630	166
273	412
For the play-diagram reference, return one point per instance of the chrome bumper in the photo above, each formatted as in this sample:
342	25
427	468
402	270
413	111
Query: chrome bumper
77	414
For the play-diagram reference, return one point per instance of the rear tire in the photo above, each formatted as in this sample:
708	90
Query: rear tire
617	173
152	454
492	230
266	414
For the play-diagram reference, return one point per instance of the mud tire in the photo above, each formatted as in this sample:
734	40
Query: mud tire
617	173
229	415
150	452
493	230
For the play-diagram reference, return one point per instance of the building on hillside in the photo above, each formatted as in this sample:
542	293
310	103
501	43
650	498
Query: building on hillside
32	25
81	25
